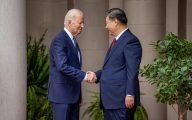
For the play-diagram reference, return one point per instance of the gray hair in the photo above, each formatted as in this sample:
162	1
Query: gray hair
71	14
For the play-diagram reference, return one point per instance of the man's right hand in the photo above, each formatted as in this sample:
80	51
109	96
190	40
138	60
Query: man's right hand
91	77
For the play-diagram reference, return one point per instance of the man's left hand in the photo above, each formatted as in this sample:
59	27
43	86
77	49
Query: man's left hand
129	101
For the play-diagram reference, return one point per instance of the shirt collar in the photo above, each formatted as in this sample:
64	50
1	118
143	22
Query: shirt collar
120	34
68	33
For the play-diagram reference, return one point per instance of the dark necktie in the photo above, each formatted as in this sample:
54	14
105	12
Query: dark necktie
113	43
111	46
76	47
75	44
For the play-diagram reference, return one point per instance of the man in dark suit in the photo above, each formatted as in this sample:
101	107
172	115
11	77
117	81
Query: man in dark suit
64	87
118	78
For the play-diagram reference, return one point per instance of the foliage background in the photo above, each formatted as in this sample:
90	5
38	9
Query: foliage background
38	107
171	72
95	113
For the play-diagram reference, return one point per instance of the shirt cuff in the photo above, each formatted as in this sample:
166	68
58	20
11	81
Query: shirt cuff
129	95
85	78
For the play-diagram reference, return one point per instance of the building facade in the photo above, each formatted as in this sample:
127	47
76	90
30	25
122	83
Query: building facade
150	20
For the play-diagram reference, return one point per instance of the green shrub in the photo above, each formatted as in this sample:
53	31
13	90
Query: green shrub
95	113
171	72
38	108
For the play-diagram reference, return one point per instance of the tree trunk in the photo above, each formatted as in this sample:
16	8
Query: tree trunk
181	116
181	112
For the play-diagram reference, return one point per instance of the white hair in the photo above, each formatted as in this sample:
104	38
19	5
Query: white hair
71	14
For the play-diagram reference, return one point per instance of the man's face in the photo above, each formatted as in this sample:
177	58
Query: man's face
77	25
111	26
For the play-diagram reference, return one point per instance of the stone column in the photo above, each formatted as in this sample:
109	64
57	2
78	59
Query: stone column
189	36
13	60
189	19
93	41
116	4
172	16
46	14
172	26
146	19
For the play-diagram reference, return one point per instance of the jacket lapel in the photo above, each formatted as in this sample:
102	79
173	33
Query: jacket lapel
125	36
72	45
111	51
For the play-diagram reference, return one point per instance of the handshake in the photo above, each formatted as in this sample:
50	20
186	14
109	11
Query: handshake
91	77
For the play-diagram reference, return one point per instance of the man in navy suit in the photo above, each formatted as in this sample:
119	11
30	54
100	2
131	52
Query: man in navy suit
64	87
118	78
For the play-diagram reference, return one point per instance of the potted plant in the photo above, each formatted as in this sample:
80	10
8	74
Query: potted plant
96	113
38	107
171	72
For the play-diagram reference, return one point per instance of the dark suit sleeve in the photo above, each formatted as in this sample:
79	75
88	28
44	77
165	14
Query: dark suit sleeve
98	74
60	57
132	53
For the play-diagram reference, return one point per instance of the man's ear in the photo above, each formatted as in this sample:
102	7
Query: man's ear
70	23
116	22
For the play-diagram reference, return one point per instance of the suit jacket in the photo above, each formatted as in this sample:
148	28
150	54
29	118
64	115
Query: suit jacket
119	75
65	71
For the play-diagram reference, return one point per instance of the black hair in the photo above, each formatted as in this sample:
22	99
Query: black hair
117	13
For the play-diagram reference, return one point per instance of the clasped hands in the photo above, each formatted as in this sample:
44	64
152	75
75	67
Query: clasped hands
91	77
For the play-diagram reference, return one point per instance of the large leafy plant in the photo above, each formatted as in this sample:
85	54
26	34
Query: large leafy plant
96	113
38	108
171	72
93	109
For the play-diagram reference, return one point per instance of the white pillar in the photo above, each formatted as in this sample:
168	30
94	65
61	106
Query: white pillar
172	16
189	36
172	26
46	14
146	19
116	4
189	19
13	60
